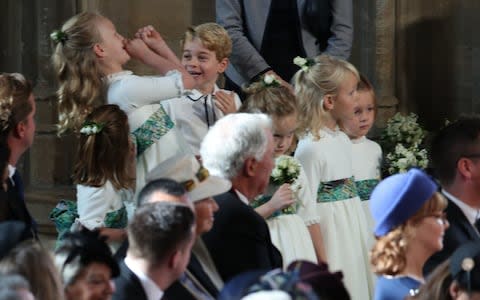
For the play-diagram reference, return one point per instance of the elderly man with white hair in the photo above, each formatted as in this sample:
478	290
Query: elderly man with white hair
239	147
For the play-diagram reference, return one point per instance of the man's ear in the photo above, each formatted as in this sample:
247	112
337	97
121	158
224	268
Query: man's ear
99	51
174	259
20	130
328	102
250	166
465	167
222	65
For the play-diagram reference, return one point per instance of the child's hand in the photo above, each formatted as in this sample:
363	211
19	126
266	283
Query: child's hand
225	101
136	48
154	40
282	198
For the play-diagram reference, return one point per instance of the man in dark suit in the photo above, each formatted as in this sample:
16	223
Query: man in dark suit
455	153
160	238
201	279
17	127
240	240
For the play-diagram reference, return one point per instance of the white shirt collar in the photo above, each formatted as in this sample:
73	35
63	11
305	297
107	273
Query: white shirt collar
151	289
11	171
472	214
241	197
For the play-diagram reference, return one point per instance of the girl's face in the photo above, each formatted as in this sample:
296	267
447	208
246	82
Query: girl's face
363	118
283	133
112	44
93	283
345	100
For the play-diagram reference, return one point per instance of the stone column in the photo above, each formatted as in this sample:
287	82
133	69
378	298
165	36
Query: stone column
385	60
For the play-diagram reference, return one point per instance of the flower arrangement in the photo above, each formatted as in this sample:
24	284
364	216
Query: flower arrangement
303	63
91	128
402	142
287	170
270	80
58	36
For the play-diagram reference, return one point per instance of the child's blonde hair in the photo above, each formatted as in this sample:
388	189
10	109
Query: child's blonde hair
313	83
213	37
77	69
104	155
275	101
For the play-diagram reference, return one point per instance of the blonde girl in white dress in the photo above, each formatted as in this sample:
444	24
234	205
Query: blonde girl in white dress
88	60
288	208
326	89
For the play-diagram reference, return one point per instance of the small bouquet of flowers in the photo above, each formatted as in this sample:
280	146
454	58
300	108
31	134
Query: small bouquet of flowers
402	142
287	170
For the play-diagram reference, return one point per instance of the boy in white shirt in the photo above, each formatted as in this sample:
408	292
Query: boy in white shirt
206	49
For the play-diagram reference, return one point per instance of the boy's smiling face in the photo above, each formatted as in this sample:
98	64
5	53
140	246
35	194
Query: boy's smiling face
202	64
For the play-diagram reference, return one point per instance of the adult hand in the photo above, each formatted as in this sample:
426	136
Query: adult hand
225	101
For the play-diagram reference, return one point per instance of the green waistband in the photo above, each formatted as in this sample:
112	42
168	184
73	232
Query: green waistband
336	190
365	188
156	126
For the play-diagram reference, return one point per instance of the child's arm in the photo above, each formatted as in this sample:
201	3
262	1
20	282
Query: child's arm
282	198
113	234
168	59
137	49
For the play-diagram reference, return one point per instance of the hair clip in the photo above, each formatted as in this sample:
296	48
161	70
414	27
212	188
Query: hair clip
91	128
271	80
467	265
304	63
59	36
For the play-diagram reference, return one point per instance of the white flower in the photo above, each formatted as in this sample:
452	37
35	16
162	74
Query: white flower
90	129
300	61
269	78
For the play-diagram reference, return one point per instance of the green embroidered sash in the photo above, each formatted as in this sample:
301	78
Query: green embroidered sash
156	126
336	190
65	213
260	200
365	188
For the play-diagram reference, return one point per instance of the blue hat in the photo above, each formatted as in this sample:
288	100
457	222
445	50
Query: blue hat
398	197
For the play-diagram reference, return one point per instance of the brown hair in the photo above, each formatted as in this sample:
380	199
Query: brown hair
275	101
15	91
364	85
77	70
389	254
159	229
313	83
104	156
213	37
35	263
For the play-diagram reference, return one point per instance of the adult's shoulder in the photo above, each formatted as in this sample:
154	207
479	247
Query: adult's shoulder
127	285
